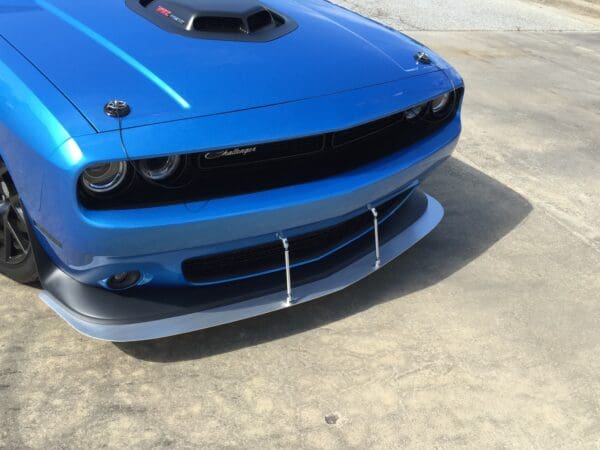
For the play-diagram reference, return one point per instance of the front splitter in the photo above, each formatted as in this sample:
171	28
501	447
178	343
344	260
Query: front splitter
194	321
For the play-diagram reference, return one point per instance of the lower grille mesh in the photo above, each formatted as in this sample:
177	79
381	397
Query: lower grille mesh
305	248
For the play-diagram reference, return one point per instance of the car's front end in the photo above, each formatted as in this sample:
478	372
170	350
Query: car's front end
172	217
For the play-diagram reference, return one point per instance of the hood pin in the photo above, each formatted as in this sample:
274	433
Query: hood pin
423	58
117	108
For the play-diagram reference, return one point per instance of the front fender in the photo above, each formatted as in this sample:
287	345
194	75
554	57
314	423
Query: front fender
35	120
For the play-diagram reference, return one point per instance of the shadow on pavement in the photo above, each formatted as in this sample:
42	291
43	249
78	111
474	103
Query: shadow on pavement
479	212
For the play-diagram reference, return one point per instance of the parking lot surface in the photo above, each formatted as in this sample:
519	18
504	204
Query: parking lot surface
486	334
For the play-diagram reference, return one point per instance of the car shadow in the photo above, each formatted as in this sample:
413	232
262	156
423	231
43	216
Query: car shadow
479	212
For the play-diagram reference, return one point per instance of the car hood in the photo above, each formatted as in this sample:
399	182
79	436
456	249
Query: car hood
96	51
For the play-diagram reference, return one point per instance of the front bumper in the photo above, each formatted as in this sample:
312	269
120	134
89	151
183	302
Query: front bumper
155	241
91	246
169	304
150	313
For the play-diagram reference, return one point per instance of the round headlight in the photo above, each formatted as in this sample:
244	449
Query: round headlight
439	104
105	177
157	169
415	112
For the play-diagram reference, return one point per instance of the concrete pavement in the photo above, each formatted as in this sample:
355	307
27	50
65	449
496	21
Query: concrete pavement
477	15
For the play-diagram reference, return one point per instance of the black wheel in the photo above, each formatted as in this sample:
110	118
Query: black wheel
16	255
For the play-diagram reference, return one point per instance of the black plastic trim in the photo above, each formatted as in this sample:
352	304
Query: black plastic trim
143	304
231	20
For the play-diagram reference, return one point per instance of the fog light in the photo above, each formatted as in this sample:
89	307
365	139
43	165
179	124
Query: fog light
124	280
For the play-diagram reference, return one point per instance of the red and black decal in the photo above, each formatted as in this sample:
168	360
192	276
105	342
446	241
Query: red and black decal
169	14
163	11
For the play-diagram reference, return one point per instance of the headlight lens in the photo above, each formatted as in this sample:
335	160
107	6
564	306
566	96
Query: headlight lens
158	169
439	105
103	178
415	112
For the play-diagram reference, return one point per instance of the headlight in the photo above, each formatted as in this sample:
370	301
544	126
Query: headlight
157	169
439	104
103	178
415	112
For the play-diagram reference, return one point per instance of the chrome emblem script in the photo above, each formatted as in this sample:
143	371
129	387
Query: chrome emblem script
234	152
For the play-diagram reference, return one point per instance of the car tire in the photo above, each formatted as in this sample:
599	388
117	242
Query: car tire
16	254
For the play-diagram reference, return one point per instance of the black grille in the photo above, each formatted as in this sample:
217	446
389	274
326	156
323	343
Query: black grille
269	257
246	156
365	131
243	170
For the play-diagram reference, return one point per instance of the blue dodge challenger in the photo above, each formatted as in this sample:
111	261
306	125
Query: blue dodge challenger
172	165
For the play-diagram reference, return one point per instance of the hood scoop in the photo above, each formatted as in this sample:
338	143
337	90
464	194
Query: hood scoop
230	20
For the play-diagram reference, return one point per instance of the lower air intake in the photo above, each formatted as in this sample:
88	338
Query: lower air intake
305	248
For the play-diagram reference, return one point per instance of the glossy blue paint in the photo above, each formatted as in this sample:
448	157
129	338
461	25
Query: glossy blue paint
98	244
35	120
319	58
115	50
286	120
336	71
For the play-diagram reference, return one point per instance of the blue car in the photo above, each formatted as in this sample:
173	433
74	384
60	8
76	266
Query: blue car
173	165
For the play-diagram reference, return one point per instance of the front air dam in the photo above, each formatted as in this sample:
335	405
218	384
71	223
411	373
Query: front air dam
153	312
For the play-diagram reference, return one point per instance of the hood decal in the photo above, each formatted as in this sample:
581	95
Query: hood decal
115	50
